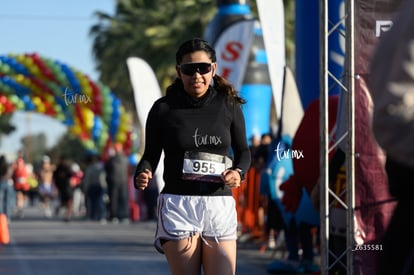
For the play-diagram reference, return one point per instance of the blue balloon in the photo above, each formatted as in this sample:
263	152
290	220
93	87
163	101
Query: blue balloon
16	66
73	81
28	104
96	128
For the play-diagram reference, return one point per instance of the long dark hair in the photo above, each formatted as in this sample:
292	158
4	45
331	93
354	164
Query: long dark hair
4	166
221	85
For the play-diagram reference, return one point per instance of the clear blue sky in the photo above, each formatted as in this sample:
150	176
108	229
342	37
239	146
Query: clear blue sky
56	29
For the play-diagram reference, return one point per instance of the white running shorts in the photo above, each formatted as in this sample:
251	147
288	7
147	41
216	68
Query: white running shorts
182	216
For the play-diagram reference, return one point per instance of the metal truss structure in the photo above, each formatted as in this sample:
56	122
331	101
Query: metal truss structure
346	84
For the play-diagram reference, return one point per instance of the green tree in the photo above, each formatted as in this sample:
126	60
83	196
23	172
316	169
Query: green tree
5	126
34	146
69	146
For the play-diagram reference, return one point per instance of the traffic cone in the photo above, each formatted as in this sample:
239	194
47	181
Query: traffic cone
4	229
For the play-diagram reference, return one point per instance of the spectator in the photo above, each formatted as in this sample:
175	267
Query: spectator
33	183
94	187
62	178
78	195
253	147
116	168
262	153
274	220
6	188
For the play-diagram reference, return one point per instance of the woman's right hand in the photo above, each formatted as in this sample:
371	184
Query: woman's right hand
142	180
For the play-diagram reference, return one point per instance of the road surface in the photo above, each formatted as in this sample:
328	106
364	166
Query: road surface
50	246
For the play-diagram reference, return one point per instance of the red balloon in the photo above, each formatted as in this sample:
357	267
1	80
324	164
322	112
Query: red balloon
3	99
8	107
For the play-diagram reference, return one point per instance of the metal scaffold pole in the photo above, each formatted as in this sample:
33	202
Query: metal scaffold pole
323	128
350	152
346	85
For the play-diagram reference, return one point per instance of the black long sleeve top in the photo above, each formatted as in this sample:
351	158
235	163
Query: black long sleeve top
178	123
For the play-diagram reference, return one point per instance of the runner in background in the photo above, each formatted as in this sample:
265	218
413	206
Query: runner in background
20	183
62	177
47	189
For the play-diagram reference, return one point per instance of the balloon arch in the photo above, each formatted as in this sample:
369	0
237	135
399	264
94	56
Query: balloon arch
31	82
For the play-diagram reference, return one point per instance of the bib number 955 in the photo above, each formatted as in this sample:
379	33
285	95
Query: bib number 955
203	167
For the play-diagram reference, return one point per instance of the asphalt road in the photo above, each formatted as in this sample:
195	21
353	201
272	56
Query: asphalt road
41	246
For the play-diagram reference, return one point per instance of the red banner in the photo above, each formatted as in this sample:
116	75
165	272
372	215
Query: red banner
372	199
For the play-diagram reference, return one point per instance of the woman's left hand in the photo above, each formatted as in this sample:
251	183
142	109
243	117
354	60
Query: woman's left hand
231	178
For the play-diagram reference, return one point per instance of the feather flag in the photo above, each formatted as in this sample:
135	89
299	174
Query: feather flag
146	92
272	20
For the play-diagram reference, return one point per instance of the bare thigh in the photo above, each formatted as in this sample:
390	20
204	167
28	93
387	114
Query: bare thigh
184	256
219	259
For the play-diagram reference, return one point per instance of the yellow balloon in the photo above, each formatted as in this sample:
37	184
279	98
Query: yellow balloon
28	61
50	98
33	69
19	78
87	91
82	79
123	128
88	117
120	137
27	83
20	58
40	107
75	129
124	119
36	101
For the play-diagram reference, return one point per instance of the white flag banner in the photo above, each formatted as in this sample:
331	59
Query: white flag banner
232	51
146	92
292	112
272	21
145	86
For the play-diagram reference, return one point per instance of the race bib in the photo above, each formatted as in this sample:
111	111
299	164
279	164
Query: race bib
201	166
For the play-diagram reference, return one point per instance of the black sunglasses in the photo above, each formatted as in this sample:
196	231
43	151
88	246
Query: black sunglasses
191	68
